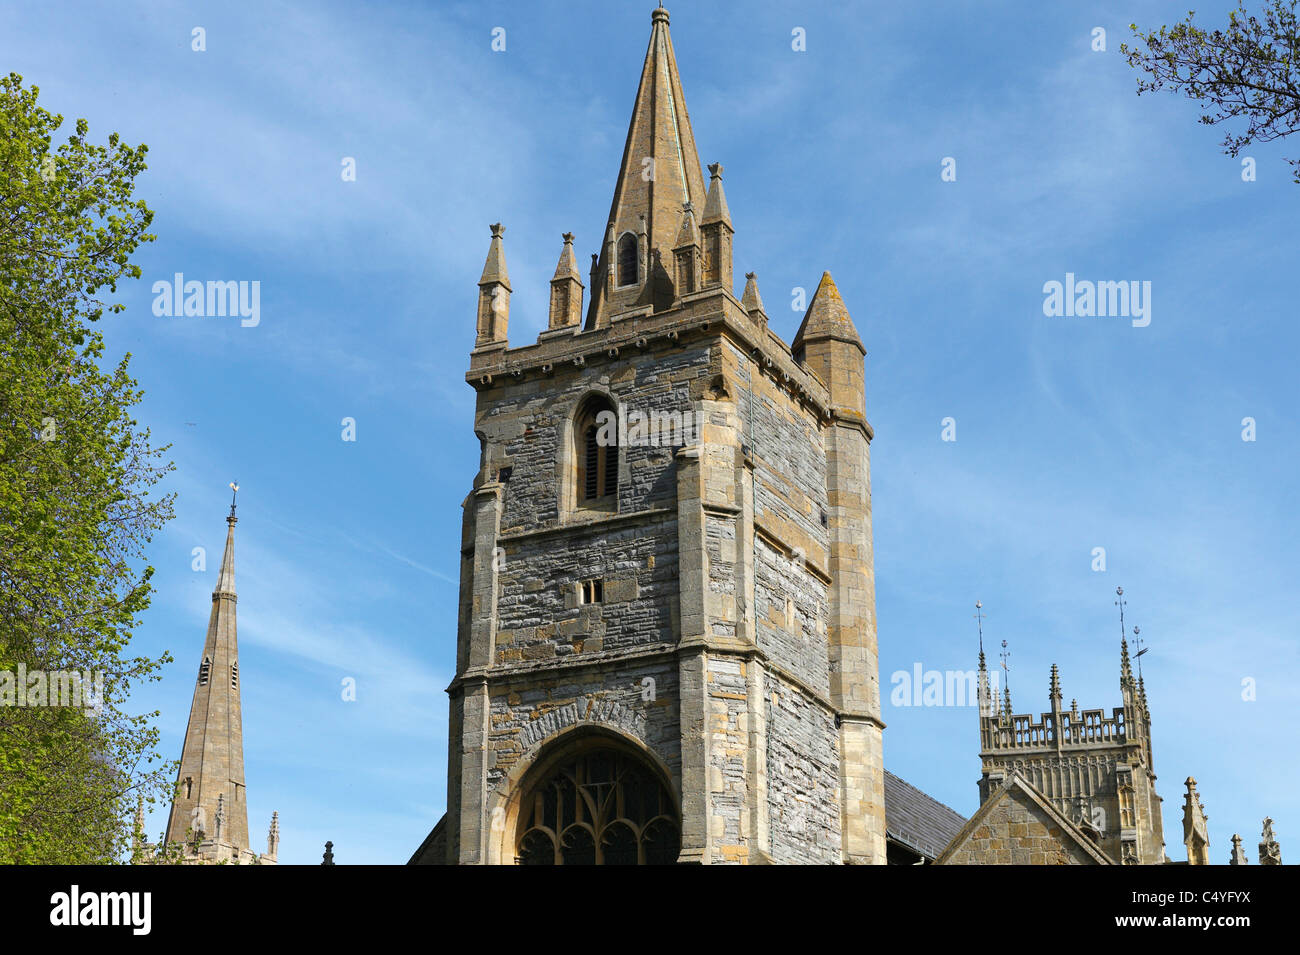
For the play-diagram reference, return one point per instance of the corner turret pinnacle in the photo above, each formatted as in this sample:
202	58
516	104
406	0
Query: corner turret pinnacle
751	301
715	206
493	319
827	318
494	268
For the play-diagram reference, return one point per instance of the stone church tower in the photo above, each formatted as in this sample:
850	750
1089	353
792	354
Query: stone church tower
1095	770
667	637
209	813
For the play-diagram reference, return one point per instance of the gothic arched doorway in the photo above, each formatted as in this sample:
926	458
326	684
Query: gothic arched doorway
598	805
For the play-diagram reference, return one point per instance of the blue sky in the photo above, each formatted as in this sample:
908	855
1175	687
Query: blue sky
1072	433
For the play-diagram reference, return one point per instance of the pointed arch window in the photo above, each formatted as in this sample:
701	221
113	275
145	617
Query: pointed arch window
603	807
596	437
627	260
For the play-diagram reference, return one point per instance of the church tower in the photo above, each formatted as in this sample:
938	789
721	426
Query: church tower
1095	770
667	639
209	813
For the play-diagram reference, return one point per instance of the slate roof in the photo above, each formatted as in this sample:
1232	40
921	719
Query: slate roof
916	820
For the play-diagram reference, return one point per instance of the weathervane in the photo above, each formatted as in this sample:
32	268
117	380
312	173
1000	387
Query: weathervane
979	617
234	489
1138	642
1005	655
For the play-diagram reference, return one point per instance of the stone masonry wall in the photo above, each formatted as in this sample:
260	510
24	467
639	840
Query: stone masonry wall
790	607
1019	833
523	425
802	776
538	610
527	712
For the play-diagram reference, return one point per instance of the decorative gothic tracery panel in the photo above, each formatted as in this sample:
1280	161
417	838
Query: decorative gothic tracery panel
603	807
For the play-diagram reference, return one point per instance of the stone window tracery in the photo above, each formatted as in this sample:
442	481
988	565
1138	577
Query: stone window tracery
602	807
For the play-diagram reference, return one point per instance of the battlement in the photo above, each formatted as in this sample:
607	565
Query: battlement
1077	729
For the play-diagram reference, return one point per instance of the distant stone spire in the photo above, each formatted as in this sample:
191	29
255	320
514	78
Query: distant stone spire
1006	681
210	780
660	171
137	831
1238	853
1270	853
987	705
273	837
1196	834
1125	664
1054	687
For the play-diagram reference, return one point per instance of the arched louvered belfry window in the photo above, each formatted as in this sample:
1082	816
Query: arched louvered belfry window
602	806
596	438
627	260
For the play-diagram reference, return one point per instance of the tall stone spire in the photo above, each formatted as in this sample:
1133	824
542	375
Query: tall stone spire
660	172
210	782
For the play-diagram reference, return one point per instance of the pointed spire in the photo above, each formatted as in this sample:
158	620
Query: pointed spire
687	254
226	577
273	837
567	267
986	703
659	171
715	205
137	832
1238	853
210	795
1054	687
1006	677
1126	682
494	293
689	233
494	268
716	233
751	301
827	318
566	289
1196	834
1270	853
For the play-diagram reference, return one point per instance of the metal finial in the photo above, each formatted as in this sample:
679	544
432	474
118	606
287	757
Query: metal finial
979	622
1006	668
234	490
1120	603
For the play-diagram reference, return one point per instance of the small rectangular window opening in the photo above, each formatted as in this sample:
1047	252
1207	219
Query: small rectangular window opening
592	591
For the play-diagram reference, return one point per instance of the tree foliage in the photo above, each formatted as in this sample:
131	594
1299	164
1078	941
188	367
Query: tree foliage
1250	71
77	497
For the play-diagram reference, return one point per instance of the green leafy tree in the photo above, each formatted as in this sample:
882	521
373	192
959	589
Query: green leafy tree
77	497
1250	71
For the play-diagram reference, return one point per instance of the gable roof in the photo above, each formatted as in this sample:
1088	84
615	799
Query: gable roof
916	820
1017	787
